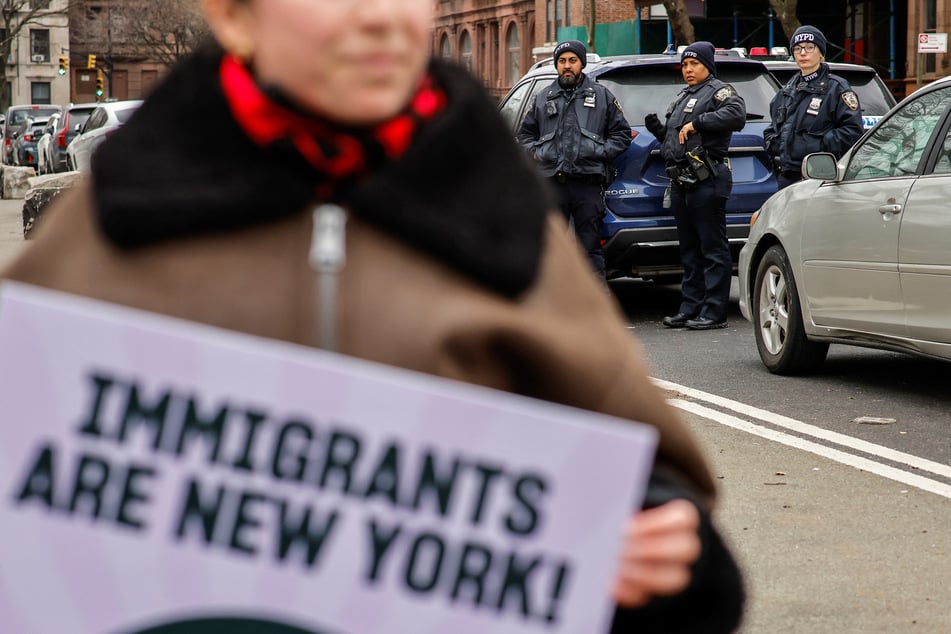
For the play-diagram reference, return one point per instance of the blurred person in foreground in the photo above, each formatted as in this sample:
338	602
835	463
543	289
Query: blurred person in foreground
457	264
816	111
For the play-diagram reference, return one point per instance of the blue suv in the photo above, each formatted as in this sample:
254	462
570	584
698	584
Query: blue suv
640	236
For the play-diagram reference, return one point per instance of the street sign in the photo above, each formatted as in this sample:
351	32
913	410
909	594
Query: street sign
932	42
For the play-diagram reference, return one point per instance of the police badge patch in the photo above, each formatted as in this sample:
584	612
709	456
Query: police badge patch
723	94
851	100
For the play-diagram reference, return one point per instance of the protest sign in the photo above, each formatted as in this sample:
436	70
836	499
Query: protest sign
161	476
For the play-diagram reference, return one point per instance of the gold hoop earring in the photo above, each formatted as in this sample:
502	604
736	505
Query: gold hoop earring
244	52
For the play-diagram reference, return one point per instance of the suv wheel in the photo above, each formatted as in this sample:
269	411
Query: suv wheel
777	319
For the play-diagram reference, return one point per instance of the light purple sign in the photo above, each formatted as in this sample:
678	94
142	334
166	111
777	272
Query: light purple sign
157	471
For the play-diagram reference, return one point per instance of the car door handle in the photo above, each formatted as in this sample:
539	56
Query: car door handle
889	209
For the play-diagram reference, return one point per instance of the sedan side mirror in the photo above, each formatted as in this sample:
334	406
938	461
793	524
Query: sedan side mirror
820	166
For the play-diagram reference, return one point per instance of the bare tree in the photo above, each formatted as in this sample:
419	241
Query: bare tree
680	22
15	16
162	31
785	11
590	22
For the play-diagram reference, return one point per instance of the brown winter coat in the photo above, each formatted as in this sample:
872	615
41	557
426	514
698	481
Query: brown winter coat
562	340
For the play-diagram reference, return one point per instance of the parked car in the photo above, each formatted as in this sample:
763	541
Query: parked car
640	236
857	252
103	121
67	128
43	145
14	123
24	145
874	96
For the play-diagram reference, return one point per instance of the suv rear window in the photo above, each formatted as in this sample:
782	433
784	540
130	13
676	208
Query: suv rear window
77	117
874	96
644	90
870	92
124	114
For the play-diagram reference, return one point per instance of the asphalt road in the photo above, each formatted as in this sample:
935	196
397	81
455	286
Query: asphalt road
826	546
841	526
854	382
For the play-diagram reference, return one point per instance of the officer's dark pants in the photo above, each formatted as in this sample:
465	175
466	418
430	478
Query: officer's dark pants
582	202
704	250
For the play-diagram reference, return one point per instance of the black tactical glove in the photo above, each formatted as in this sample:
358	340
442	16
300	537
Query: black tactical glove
654	126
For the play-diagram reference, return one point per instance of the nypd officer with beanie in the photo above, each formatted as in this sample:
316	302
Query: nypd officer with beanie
574	131
815	111
694	143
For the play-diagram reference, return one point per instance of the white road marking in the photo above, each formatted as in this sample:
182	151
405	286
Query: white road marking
844	440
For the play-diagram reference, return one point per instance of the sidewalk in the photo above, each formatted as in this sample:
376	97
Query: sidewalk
827	548
11	229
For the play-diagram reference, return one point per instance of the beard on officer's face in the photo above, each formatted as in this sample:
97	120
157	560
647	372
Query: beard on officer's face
568	81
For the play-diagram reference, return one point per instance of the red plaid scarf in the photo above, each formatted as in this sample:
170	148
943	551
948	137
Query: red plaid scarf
333	152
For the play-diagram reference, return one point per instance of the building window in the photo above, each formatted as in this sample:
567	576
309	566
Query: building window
39	46
465	50
513	67
40	92
445	49
39	4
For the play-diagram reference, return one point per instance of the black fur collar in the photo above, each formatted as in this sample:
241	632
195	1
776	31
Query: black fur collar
464	192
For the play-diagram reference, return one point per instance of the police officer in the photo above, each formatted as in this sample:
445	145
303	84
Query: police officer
574	131
694	143
815	111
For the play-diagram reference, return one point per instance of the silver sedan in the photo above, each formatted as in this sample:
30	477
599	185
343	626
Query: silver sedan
104	120
857	252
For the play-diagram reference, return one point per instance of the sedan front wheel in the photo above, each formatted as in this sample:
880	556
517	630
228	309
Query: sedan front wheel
777	319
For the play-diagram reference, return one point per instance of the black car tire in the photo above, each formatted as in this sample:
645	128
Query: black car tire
777	319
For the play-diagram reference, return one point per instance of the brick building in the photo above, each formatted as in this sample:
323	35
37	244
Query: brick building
499	39
101	28
493	38
33	64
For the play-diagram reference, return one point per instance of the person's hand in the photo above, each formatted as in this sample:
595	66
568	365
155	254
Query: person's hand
654	126
685	132
660	546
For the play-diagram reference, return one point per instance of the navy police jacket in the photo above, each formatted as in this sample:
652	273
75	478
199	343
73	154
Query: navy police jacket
816	113
576	132
716	112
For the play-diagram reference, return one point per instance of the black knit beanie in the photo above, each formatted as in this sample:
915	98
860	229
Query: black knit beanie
575	47
806	34
704	53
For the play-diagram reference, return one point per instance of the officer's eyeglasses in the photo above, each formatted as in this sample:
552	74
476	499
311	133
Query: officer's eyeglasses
803	48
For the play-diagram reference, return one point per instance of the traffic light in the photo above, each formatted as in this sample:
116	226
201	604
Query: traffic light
100	81
63	64
91	62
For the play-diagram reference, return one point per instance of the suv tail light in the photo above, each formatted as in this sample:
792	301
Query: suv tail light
61	137
28	137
